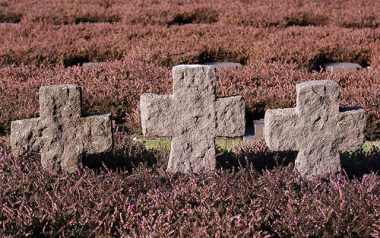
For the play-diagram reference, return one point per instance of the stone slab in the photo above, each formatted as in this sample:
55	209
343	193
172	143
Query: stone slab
341	67
94	64
316	128
220	65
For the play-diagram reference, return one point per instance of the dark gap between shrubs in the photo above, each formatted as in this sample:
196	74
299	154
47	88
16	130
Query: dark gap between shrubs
96	19
219	56
75	61
10	17
198	16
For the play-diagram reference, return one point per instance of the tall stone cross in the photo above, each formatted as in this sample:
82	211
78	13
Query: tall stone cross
193	117
60	134
316	128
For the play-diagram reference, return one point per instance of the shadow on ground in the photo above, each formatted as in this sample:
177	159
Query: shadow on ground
128	155
356	164
257	155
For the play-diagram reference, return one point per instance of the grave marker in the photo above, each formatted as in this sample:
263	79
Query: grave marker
341	67
224	64
193	117
94	64
9	24
60	134
315	128
258	126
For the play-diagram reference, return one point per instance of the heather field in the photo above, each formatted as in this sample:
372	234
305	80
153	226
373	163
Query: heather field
126	192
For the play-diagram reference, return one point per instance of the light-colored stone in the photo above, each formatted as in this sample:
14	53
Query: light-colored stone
315	128
94	64
341	67
9	24
193	117
220	65
258	126
60	134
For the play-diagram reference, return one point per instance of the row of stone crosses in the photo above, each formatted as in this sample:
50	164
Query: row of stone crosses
193	116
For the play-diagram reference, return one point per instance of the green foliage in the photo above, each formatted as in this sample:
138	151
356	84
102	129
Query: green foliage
222	144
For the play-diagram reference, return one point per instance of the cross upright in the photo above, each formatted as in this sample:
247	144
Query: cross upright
60	134
193	117
316	128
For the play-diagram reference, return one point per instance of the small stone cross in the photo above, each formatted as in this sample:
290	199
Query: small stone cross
60	134
316	128
193	117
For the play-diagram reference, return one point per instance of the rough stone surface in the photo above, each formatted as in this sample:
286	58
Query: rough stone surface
220	65
193	117
60	134
315	128
340	67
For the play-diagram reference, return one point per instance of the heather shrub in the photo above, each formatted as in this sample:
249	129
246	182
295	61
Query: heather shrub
127	192
167	46
146	201
69	12
10	17
255	13
305	19
200	15
126	155
96	18
116	87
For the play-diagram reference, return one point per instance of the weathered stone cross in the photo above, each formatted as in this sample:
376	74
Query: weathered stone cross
193	117
60	134
316	128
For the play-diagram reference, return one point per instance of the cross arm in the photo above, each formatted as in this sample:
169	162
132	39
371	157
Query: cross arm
97	134
26	136
230	116
351	124
157	115
280	129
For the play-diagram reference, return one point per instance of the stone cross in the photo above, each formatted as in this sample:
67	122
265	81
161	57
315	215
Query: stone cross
60	134
316	128
193	117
